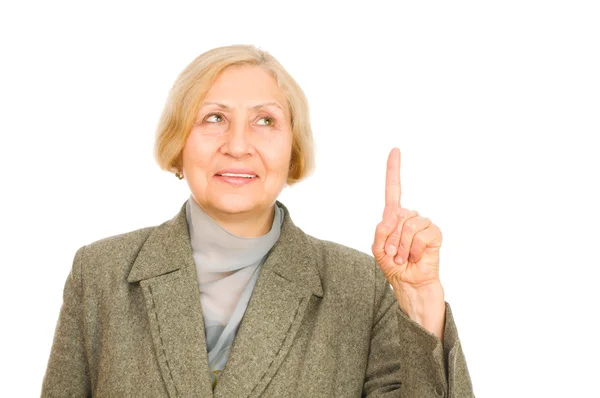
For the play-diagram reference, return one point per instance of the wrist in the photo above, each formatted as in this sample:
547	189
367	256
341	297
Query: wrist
425	305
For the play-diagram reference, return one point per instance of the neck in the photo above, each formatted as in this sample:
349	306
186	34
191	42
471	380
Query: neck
244	225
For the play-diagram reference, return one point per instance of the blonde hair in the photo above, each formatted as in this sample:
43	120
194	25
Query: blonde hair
191	87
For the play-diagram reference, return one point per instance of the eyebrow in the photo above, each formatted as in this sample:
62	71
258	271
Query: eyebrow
257	106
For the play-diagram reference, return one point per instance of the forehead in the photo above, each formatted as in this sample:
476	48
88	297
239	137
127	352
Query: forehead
246	83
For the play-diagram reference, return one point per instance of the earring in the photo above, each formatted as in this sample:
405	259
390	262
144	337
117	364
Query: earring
179	175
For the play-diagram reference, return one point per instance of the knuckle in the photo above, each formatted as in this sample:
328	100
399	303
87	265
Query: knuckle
418	240
384	227
404	213
409	227
393	239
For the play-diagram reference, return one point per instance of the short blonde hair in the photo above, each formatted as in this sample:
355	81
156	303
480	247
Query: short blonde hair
190	89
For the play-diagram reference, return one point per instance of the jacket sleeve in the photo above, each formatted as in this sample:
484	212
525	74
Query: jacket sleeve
67	373
407	361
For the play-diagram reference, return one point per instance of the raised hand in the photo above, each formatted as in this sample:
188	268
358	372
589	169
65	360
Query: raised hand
406	245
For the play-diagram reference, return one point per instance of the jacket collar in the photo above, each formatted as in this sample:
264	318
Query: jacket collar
166	273
168	249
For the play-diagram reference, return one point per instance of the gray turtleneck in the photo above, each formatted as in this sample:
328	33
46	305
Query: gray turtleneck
228	267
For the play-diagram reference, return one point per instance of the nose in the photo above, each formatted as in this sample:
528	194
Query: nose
238	143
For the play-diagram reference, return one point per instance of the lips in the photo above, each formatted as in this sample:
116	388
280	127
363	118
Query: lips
236	179
236	173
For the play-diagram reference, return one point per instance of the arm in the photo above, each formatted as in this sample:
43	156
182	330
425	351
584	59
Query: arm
424	305
407	250
408	361
67	373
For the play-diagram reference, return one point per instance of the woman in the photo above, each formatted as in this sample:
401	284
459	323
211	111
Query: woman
229	298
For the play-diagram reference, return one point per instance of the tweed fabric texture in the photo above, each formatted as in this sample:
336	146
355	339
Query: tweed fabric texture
227	267
322	321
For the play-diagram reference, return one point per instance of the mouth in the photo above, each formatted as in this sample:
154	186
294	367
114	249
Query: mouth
237	175
236	179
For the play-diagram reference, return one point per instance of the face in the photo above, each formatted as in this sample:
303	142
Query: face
243	127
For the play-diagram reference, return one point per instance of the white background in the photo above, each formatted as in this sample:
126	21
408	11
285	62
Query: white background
495	107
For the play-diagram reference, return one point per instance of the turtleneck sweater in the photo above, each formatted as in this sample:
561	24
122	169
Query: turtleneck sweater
227	266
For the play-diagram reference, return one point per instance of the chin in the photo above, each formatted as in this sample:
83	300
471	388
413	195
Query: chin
235	203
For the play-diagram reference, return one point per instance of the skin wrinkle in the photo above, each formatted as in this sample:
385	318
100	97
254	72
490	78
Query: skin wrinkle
235	139
344	340
398	351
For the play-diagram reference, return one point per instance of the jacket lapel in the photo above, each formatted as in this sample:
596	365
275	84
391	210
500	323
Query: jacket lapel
287	280
166	272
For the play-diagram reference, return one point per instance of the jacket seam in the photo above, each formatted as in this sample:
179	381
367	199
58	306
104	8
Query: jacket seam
283	343
162	345
84	340
377	306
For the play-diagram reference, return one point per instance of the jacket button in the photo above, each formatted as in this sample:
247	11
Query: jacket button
439	391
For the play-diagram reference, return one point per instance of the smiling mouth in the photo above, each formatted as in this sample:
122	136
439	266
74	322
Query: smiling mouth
234	175
235	179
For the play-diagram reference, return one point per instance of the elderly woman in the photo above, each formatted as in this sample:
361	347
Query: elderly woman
230	298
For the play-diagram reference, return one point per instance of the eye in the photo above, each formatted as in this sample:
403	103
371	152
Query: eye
270	120
216	115
217	118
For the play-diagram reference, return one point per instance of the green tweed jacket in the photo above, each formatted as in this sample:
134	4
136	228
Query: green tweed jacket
322	321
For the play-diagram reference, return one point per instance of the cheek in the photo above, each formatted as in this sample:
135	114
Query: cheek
277	154
199	149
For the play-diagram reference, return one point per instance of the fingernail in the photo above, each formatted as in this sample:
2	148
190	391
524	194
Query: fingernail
399	260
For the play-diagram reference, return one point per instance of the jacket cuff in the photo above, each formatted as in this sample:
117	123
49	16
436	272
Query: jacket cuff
428	352
446	373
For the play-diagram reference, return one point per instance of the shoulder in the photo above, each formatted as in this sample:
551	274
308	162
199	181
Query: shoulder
352	279
112	256
353	276
341	255
120	244
345	267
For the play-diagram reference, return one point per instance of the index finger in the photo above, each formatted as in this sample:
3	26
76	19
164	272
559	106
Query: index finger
393	189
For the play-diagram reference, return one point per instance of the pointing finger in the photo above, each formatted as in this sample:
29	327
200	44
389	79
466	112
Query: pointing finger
392	180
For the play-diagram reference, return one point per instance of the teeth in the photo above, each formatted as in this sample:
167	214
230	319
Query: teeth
237	175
